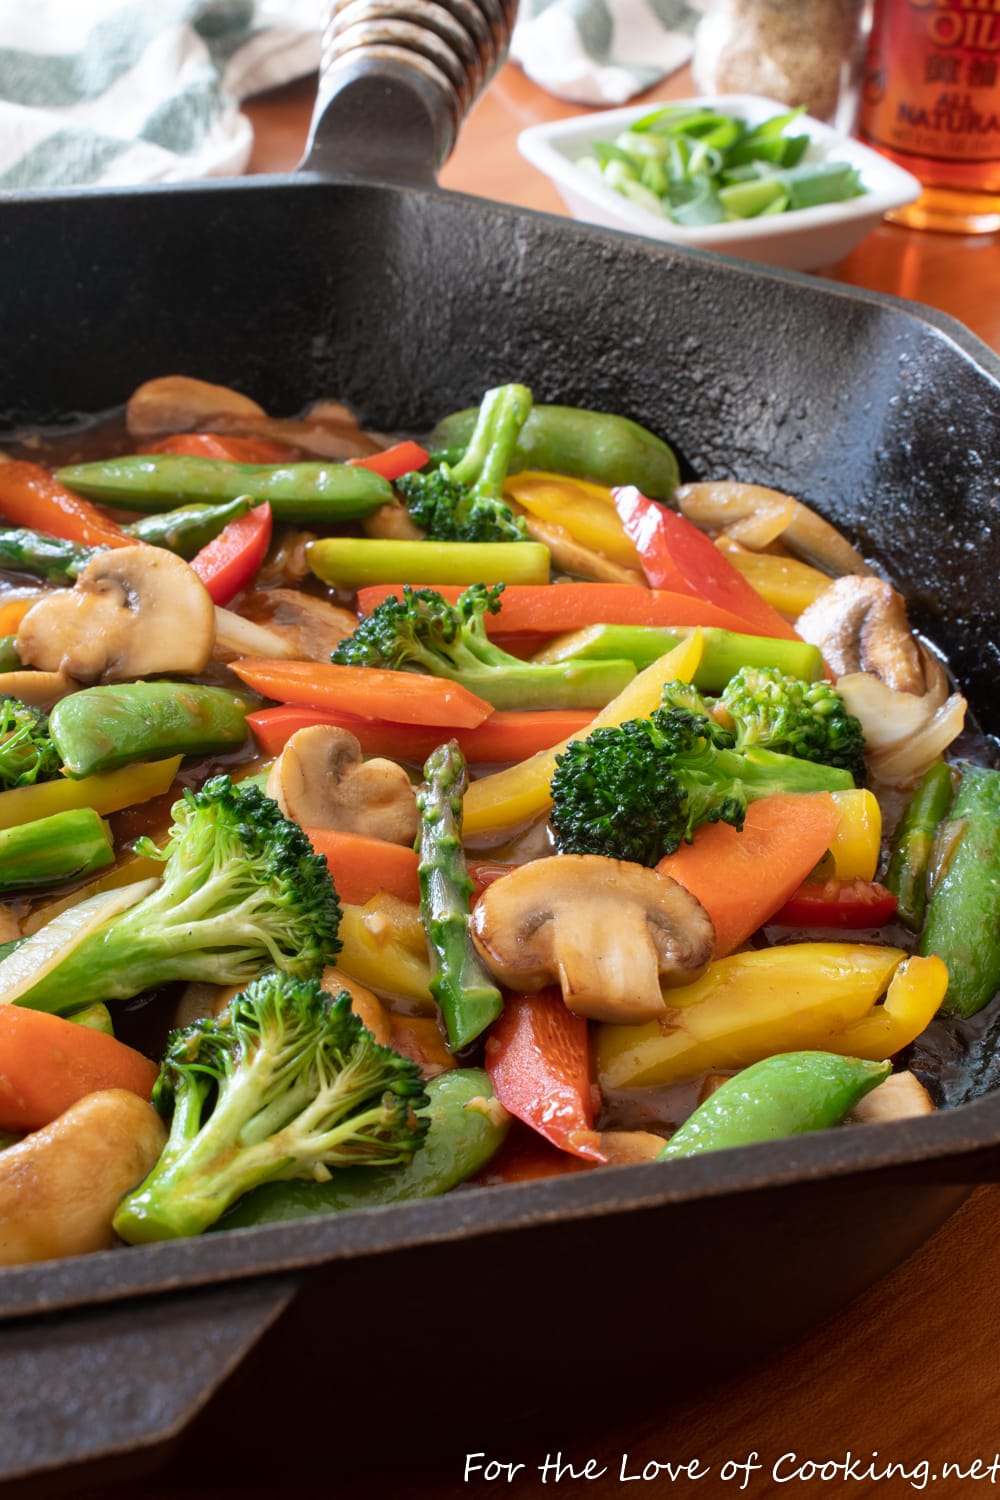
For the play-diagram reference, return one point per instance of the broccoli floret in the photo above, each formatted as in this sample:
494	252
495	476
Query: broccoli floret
805	719
639	790
242	892
424	632
27	753
286	1083
463	502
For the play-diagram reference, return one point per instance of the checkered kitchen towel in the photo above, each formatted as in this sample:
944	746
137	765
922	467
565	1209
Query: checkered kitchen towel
114	91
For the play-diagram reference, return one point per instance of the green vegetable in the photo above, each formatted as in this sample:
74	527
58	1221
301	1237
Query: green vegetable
49	851
48	557
286	1083
27	753
724	652
696	167
463	1134
963	914
913	845
9	659
571	440
463	502
355	562
422	631
190	527
97	1017
640	789
468	998
102	728
806	719
307	493
789	1094
241	892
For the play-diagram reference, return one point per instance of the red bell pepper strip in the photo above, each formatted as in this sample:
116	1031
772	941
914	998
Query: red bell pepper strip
239	450
837	903
552	609
537	1056
677	556
31	496
229	562
507	735
369	692
392	463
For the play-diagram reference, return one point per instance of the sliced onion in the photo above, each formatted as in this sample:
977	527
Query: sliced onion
245	638
887	715
723	504
903	764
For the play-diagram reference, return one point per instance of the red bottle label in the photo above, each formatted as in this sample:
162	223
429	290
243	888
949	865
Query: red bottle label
932	80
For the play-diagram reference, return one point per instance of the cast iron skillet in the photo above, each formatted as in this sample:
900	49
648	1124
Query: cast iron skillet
359	278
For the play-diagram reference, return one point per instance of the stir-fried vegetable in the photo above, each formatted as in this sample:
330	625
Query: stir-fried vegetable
646	807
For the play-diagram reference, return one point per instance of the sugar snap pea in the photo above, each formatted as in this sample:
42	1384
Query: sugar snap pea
788	1094
307	493
466	1129
963	914
102	728
589	444
50	851
913	845
48	557
188	528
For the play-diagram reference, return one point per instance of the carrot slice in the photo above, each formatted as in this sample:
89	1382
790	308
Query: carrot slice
551	609
361	866
742	879
369	692
47	1063
31	496
505	736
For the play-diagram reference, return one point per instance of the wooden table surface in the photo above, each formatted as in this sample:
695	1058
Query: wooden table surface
911	1371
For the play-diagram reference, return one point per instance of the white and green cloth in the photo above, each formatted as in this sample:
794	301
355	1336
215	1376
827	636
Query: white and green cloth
603	51
116	91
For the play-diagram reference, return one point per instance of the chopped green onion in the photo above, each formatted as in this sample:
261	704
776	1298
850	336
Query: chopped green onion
697	167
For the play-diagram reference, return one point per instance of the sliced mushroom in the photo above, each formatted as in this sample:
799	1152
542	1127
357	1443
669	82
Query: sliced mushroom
313	627
860	625
623	1148
749	511
608	932
321	780
392	522
177	403
901	1097
132	611
365	1004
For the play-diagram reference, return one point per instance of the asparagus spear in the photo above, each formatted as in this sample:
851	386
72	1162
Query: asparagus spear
468	998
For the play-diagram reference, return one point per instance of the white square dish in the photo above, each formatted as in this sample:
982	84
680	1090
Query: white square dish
804	239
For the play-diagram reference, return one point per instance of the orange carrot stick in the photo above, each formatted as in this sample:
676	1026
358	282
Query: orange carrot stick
742	879
361	866
506	735
369	692
47	1063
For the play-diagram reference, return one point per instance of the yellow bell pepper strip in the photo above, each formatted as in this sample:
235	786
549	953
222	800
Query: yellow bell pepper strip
106	793
586	510
857	842
913	999
800	997
384	947
502	802
787	584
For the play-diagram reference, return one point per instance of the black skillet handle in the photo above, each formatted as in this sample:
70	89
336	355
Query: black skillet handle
397	77
93	1389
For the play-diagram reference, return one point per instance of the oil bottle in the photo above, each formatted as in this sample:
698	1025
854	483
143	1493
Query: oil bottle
930	101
